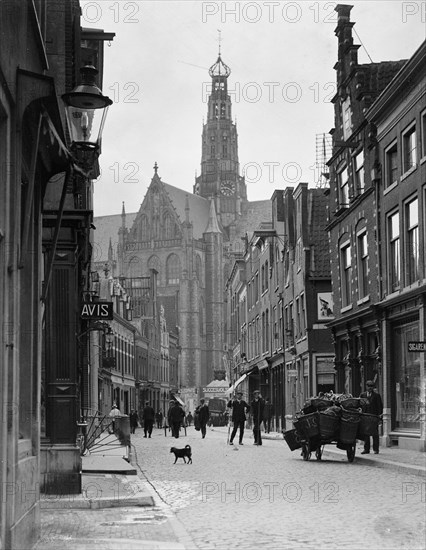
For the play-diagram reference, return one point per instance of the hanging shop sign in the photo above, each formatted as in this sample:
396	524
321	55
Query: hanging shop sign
416	346
97	311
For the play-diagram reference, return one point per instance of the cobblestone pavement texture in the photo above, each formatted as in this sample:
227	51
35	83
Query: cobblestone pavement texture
242	496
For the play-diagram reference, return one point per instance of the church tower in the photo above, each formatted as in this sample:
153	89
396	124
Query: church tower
220	179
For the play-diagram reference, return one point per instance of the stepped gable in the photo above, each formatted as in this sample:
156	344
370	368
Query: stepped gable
107	228
199	208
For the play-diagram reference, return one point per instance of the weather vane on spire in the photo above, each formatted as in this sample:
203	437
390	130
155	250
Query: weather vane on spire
219	39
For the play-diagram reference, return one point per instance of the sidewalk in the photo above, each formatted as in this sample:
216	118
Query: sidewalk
391	458
108	480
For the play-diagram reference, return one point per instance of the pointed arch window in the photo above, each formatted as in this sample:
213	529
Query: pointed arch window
173	269
199	270
168	226
143	229
135	267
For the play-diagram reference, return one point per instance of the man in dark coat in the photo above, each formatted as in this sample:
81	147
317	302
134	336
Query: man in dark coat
159	419
148	414
374	406
134	418
257	410
239	408
268	413
175	418
204	415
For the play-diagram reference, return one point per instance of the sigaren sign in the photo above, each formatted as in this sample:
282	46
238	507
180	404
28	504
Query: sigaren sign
416	346
97	311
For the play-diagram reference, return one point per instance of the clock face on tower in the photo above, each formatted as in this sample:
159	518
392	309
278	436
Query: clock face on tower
227	188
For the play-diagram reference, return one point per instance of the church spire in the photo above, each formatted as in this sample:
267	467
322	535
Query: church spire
212	224
123	216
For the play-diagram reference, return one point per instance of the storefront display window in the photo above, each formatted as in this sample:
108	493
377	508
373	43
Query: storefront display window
406	377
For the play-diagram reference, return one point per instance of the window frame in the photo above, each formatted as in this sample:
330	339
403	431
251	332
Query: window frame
409	136
423	136
411	276
343	188
346	273
357	170
393	241
363	263
391	152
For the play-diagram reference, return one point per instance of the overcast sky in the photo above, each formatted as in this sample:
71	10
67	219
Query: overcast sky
281	55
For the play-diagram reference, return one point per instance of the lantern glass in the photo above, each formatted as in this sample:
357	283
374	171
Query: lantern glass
85	125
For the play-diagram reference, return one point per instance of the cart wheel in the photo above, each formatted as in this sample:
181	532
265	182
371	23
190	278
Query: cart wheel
318	452
306	453
351	453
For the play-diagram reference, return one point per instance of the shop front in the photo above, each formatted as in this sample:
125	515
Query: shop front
407	384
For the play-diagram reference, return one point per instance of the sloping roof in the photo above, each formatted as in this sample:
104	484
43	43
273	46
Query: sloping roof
107	228
199	208
373	78
318	237
254	214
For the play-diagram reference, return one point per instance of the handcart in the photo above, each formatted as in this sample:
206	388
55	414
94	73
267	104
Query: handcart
315	430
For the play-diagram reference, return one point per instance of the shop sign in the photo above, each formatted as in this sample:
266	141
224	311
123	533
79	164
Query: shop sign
292	372
97	311
416	346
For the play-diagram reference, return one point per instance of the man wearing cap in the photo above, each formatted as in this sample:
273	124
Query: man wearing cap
257	408
239	408
374	406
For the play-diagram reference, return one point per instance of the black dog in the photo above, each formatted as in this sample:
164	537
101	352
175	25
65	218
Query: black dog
182	453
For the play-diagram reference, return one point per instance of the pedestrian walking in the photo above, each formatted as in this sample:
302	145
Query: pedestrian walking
374	406
148	414
189	419
159	419
268	413
134	419
115	411
257	411
204	415
239	408
175	417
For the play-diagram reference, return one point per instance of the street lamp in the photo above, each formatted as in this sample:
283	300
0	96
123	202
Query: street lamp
86	109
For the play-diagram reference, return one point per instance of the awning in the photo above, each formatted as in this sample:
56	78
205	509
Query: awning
231	389
263	364
178	399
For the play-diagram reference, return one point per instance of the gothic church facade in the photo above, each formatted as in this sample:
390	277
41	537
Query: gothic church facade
189	239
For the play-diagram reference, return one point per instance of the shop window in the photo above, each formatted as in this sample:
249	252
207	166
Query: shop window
406	383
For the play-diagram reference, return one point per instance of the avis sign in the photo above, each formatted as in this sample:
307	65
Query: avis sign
96	311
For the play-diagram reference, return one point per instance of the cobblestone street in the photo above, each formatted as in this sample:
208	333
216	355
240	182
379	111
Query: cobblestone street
235	496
